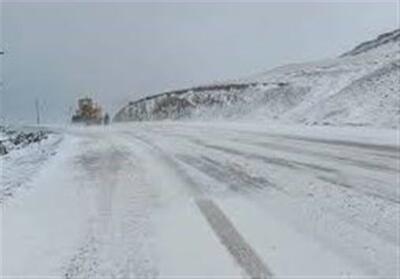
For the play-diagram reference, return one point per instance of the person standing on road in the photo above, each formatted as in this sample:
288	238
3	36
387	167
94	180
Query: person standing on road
106	119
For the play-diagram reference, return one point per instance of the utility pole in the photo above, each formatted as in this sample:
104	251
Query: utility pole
37	111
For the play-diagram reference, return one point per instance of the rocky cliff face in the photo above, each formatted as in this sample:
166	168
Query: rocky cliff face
205	101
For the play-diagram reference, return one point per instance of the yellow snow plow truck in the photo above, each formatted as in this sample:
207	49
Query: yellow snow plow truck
88	112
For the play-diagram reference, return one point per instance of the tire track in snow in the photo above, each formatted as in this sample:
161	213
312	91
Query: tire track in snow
115	245
238	179
323	173
244	255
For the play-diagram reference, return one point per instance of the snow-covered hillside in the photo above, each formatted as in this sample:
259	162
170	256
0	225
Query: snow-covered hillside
361	87
382	39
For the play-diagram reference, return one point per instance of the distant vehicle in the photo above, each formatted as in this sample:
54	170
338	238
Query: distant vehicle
88	112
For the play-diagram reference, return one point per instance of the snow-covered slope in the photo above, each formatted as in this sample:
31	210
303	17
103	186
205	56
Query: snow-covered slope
361	87
372	99
382	39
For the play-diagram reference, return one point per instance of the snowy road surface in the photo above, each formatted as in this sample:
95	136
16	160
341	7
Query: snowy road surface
219	200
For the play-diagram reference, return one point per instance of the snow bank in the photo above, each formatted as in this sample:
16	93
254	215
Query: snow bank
25	151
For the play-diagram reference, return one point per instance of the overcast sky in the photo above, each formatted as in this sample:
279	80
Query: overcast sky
57	52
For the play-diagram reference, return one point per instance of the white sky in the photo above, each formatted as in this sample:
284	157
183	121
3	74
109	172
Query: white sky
118	52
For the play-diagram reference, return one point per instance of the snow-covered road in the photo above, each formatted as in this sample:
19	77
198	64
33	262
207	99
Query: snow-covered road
207	200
